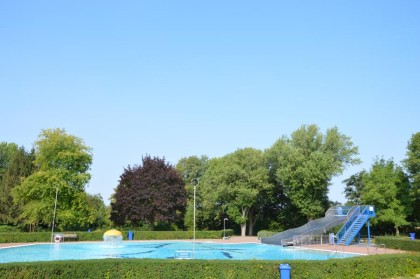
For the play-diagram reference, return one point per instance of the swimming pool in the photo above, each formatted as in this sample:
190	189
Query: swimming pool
162	250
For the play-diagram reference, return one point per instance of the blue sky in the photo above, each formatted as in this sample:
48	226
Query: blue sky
180	78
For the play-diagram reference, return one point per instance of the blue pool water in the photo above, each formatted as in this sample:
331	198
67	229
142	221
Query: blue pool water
162	250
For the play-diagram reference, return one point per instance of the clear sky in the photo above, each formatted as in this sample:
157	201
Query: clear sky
180	78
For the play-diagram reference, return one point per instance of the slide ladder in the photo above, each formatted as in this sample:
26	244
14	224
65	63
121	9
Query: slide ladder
358	216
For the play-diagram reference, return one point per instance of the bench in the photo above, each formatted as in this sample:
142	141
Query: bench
72	236
59	237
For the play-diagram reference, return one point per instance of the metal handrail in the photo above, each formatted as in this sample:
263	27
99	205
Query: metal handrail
295	237
350	222
309	239
338	210
334	216
299	237
379	246
355	211
328	213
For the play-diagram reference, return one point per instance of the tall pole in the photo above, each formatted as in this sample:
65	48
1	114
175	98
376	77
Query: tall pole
55	208
224	228
195	186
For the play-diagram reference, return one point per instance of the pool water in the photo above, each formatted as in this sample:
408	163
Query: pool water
162	250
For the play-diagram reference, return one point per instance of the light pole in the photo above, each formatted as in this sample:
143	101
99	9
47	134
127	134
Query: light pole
55	208
195	186
224	227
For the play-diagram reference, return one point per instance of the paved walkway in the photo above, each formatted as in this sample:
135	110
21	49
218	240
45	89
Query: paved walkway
234	239
5	245
358	249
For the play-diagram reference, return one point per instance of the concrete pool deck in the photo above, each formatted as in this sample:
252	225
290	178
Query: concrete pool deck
356	248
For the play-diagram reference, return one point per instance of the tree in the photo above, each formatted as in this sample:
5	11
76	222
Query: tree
19	167
62	162
7	151
98	212
192	169
234	183
381	189
412	165
279	212
354	188
305	164
152	192
210	208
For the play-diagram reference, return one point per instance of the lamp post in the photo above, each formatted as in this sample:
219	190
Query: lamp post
55	208
224	227
195	186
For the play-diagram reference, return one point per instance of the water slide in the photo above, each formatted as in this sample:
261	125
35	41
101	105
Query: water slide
335	216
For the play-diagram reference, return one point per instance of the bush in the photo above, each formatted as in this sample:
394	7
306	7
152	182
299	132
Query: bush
400	243
6	228
382	266
98	235
25	237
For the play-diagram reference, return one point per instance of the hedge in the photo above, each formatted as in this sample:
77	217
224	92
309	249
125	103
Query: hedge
6	228
98	235
380	266
401	243
25	237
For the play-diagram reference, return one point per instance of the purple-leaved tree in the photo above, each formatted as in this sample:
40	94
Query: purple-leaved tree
150	193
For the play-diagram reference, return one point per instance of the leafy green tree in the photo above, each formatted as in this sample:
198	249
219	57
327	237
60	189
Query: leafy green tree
98	211
412	165
210	210
62	163
233	184
382	185
19	167
152	192
7	150
278	211
354	188
192	169
305	163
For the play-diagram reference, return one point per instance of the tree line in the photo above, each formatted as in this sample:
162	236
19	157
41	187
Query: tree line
278	188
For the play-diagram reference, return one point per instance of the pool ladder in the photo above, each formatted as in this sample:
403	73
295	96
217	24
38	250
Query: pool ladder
183	255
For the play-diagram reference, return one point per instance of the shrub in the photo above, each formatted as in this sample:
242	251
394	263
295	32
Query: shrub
98	235
25	237
381	266
401	243
6	228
